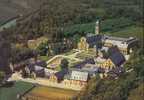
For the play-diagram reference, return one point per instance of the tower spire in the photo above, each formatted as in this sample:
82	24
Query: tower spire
97	29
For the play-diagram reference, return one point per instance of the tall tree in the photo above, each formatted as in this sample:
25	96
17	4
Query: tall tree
4	56
64	64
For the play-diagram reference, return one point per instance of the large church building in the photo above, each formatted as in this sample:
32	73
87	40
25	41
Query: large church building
98	40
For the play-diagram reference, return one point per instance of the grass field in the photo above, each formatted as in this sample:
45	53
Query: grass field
88	27
44	58
50	93
10	93
109	25
134	31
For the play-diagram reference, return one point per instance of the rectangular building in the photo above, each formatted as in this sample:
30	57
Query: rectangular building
125	45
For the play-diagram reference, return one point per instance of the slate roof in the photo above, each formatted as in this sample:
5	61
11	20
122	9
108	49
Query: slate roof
87	61
79	75
68	74
37	66
90	71
127	40
116	56
93	40
41	63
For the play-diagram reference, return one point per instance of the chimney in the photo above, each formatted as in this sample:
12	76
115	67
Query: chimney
97	29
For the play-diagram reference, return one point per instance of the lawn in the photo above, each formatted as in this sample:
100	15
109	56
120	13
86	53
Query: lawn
10	93
53	93
44	58
86	54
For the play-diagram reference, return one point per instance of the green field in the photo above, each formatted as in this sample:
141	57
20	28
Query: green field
134	31
109	25
88	27
10	93
44	58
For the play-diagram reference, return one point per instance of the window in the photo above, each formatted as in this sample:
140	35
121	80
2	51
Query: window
74	77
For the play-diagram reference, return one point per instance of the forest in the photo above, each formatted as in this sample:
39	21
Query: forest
55	17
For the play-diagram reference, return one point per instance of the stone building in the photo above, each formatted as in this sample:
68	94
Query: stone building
33	44
90	41
70	78
115	59
98	40
76	78
125	45
83	45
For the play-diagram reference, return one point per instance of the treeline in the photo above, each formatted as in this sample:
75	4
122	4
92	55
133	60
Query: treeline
54	16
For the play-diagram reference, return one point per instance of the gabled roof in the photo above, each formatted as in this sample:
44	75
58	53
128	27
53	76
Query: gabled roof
41	63
82	64
79	75
36	66
116	56
93	40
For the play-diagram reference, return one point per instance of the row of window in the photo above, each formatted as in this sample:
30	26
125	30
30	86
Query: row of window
78	78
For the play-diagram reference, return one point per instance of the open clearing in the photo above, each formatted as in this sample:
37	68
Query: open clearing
50	93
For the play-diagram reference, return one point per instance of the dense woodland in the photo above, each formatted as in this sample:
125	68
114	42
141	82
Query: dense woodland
57	19
53	17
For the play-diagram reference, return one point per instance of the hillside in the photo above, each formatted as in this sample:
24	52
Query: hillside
55	16
13	8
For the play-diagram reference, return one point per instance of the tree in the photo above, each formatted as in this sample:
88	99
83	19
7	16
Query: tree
43	49
64	64
5	53
22	54
2	75
138	67
137	93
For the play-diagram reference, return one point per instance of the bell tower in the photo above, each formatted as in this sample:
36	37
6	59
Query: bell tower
97	27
